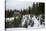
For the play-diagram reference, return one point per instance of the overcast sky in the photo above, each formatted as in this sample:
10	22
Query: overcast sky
14	4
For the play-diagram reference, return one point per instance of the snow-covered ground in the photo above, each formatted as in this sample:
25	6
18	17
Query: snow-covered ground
36	25
10	19
23	29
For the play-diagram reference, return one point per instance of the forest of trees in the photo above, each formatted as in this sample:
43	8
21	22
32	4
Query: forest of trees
36	9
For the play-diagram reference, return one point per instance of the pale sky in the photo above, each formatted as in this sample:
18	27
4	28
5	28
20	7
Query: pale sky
14	4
